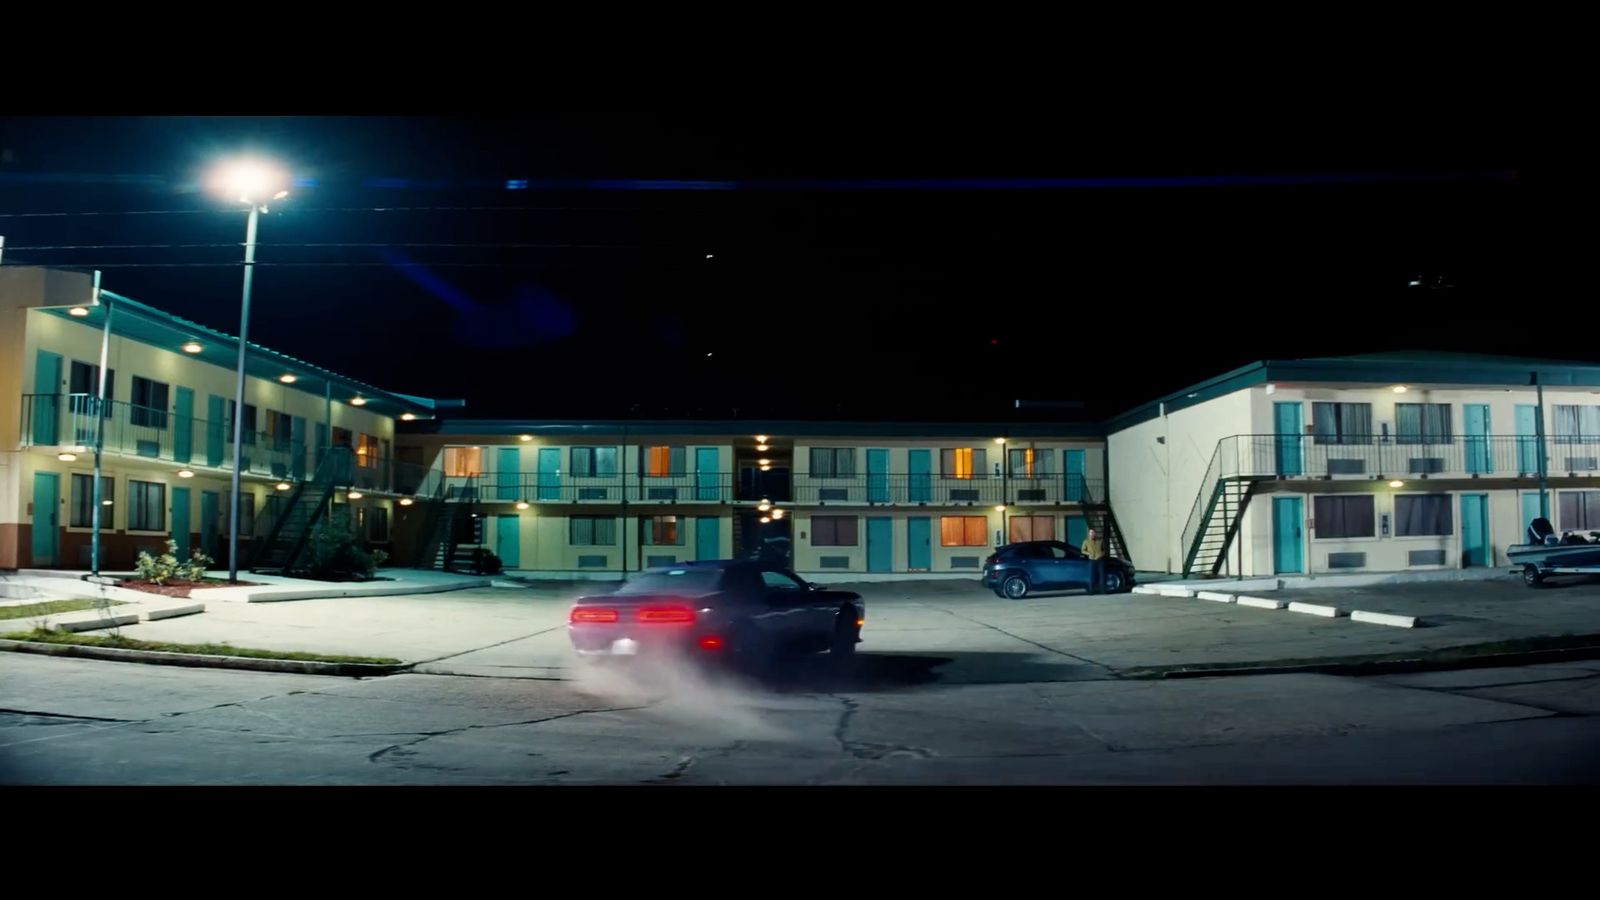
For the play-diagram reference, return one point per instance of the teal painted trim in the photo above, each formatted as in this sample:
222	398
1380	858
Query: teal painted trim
744	431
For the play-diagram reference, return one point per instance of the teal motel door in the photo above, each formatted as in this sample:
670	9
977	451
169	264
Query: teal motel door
707	480
216	430
877	476
508	475
1076	488
549	473
180	521
1288	517
1475	529
210	512
708	537
46	518
183	426
919	544
508	541
880	544
1288	428
1527	423
1479	460
1077	530
46	399
919	465
1530	511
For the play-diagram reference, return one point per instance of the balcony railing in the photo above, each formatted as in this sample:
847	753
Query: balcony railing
1387	456
552	487
922	489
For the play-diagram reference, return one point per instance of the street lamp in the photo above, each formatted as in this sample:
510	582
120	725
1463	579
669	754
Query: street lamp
252	182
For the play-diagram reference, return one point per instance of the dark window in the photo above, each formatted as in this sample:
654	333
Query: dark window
663	530
833	531
149	403
1344	517
778	581
592	531
833	462
85	379
592	462
1575	424
83	501
378	524
147	506
1417	515
1342	423
1578	510
1422	423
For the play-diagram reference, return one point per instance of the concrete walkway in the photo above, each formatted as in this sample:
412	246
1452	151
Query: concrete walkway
56	584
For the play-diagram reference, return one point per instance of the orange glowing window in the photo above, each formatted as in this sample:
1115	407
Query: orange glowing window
463	462
960	463
658	462
963	531
366	451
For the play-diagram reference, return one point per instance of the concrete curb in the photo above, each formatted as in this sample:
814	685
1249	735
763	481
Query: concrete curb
1261	603
196	660
1377	618
1362	668
1216	596
172	612
392	589
1172	591
96	623
1146	589
1315	609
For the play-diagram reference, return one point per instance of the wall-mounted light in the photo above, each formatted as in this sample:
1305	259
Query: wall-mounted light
777	514
762	448
1397	483
406	501
78	311
1399	389
192	347
185	473
67	457
353	495
522	504
766	468
1000	508
999	440
288	379
524	438
761	439
358	401
105	502
765	520
408	417
764	462
764	506
282	485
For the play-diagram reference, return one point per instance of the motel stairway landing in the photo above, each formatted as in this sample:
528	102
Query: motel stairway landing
297	515
1214	523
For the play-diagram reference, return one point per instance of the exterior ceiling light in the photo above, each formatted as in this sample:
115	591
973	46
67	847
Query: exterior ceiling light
353	495
78	311
288	379
524	438
406	501
67	457
777	514
1399	389
761	439
283	485
358	401
185	473
762	448
765	520
407	417
1397	483
522	504
1000	508
192	347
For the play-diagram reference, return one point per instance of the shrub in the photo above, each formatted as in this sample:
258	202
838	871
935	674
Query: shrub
484	562
164	568
333	552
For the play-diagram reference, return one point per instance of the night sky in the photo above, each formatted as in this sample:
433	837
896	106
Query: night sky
863	264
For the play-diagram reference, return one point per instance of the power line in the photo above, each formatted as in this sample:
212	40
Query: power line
346	244
299	210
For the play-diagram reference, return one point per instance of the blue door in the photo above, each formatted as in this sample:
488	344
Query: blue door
1527	438
47	399
1530	510
877	476
180	521
707	478
919	544
708	537
216	428
508	540
183	426
46	517
1287	515
1289	430
297	447
508	475
1077	530
919	465
549	473
1475	529
880	544
1479	460
210	511
1076	490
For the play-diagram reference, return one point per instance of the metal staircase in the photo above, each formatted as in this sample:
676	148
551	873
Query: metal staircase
297	516
1213	524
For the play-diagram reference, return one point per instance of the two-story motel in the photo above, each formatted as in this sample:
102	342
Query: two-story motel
1385	462
166	430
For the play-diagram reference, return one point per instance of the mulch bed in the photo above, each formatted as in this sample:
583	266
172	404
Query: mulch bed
179	588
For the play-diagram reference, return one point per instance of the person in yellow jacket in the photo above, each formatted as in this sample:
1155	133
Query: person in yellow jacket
1095	551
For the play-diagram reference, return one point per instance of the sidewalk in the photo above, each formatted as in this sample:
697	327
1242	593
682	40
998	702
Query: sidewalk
263	588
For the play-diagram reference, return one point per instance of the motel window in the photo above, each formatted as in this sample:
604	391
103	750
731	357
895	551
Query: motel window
1342	423
595	462
149	403
342	437
833	531
83	501
85	379
963	462
249	423
1418	515
280	427
833	462
1578	510
366	451
592	531
963	531
373	523
1030	528
463	462
1577	424
1031	463
663	462
1344	517
662	530
147	506
1422	423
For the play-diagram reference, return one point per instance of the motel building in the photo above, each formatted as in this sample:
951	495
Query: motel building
1391	462
313	440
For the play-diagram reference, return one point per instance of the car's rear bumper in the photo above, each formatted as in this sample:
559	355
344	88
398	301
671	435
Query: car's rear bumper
619	640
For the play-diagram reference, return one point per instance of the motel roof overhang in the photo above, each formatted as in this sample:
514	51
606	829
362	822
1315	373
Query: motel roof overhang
779	430
1462	370
146	324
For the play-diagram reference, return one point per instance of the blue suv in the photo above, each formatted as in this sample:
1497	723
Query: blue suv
1017	570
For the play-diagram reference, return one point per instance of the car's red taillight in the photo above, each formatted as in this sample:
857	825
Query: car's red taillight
584	615
711	642
666	615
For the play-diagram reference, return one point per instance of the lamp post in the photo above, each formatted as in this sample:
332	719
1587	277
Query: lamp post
254	183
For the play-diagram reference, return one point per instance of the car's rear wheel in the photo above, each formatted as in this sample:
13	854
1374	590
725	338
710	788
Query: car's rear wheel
845	634
1015	587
